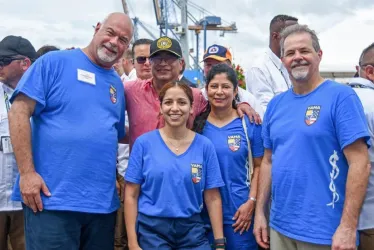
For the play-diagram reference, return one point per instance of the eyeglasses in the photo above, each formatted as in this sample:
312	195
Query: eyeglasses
366	64
5	61
141	59
169	59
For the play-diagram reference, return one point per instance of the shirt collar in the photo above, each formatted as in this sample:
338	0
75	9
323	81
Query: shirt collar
361	81
8	90
273	57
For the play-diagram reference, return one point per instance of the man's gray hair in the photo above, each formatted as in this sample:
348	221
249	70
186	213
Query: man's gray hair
298	28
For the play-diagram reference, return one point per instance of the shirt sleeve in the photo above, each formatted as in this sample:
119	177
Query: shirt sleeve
258	85
36	83
121	125
134	172
246	96
257	145
213	171
266	130
350	121
200	101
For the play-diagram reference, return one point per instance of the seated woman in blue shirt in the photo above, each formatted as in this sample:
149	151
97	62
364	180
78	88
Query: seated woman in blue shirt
231	136
169	171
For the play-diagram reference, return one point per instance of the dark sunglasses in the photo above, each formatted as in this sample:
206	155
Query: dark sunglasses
141	59
5	61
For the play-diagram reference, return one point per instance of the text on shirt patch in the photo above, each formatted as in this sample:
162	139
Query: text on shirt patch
113	94
312	114
197	171
233	142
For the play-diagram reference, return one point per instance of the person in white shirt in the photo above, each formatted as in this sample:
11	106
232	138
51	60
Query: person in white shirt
16	56
364	87
125	67
268	77
216	54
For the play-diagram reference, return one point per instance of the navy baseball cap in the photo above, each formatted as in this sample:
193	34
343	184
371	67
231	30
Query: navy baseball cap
166	44
16	45
218	52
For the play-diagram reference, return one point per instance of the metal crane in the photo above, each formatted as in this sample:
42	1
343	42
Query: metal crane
136	22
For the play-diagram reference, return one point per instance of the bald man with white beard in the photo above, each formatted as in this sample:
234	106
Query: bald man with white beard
67	162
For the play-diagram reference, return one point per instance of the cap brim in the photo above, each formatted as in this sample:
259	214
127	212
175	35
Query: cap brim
155	52
7	53
218	58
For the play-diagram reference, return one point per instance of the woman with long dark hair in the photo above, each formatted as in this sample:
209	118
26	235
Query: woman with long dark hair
239	148
171	172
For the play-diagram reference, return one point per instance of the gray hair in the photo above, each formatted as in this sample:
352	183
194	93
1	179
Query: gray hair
298	28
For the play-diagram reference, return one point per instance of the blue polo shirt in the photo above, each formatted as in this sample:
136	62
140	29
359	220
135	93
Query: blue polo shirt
307	135
78	118
171	185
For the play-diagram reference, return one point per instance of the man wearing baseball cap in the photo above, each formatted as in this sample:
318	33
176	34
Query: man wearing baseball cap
166	63
16	56
216	54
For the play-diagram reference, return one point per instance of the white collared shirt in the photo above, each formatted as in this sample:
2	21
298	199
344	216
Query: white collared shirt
8	168
267	78
365	91
130	77
124	149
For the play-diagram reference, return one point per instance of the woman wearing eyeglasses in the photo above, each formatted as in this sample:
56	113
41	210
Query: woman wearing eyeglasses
170	169
236	141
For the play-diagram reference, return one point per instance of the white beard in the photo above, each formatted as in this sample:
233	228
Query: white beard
299	74
104	56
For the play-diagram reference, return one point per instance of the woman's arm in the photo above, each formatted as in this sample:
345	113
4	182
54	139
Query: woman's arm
131	213
213	202
243	215
254	182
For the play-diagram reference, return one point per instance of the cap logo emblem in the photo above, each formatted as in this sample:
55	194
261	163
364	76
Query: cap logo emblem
164	43
213	50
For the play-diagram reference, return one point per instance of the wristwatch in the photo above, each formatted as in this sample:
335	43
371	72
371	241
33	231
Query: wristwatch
220	243
253	199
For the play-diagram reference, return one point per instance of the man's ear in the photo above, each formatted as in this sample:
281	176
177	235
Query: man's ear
97	27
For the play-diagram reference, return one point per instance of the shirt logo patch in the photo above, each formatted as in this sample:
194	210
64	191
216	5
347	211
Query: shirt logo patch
234	142
312	114
213	50
113	94
197	172
164	43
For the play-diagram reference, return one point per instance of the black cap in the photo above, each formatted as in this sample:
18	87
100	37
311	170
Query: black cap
16	45
166	44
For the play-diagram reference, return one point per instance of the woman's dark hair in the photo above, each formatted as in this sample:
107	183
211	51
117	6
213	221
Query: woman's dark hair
217	69
186	89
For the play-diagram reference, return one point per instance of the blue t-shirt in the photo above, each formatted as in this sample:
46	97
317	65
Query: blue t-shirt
78	118
172	186
307	135
232	150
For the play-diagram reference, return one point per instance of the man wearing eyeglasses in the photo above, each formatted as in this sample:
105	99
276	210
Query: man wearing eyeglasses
16	56
166	63
140	58
364	87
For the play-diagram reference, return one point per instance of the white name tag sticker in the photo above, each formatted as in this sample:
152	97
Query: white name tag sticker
6	145
85	76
